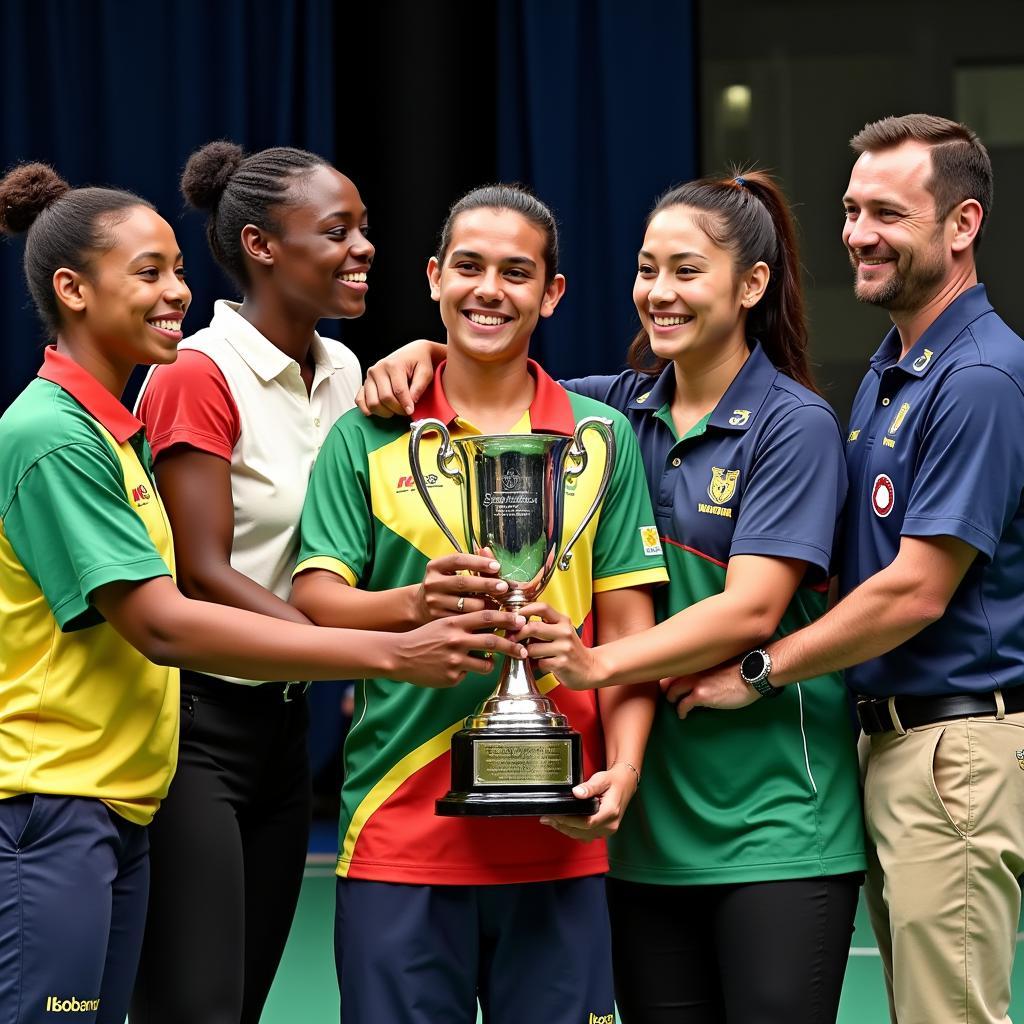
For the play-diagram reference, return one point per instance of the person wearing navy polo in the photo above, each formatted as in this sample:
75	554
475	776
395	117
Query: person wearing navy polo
931	625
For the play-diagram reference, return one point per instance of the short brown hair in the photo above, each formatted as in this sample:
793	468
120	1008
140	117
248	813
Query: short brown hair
961	168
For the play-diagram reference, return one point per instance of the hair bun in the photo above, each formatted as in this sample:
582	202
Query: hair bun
208	172
25	192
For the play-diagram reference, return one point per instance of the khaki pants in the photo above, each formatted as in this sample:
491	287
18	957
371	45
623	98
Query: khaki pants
944	807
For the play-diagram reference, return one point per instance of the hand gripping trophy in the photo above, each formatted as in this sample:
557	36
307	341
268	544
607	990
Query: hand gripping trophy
517	754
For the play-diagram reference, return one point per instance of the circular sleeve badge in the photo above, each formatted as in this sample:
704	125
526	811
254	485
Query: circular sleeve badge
883	494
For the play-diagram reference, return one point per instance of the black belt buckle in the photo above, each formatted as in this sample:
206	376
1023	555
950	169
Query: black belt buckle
870	720
293	690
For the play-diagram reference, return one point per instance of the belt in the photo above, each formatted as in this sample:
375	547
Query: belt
885	714
220	691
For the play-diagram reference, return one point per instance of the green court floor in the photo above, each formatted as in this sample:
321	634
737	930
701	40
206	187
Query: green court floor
305	991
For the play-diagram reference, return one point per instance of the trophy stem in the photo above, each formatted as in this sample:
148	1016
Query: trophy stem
516	701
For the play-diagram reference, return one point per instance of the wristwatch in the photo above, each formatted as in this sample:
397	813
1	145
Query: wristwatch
755	668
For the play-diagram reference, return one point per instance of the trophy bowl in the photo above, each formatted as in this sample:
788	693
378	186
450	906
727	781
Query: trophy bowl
516	755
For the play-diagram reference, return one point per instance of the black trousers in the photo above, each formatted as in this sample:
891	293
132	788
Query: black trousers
228	847
750	953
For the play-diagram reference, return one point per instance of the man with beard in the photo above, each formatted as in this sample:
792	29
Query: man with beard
930	625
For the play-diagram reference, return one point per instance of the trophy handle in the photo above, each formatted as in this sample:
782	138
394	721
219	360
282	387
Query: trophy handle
446	455
577	453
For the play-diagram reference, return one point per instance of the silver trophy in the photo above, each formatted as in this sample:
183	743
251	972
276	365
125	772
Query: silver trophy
517	754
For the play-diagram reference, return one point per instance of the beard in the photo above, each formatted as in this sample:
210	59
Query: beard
906	290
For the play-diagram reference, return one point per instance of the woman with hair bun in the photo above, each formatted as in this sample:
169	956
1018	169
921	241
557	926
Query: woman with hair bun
91	619
735	873
235	425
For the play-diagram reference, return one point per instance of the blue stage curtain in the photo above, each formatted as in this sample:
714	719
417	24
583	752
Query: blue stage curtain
113	93
597	112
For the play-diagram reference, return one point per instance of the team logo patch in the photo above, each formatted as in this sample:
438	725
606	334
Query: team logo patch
650	539
723	484
854	434
141	495
883	494
1020	759
898	419
739	417
922	360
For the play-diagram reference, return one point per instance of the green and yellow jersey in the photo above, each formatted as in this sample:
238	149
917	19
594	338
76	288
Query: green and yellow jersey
365	521
82	712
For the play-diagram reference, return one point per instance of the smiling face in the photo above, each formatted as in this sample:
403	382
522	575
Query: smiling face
133	297
320	255
491	287
691	300
899	250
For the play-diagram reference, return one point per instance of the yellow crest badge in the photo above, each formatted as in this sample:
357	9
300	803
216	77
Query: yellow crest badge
898	419
723	484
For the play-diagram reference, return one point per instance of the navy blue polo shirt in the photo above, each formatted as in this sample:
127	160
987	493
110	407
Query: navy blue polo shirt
762	475
769	791
936	448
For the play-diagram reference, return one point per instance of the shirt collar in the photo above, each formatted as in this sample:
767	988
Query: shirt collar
261	355
89	393
737	408
660	394
550	411
941	333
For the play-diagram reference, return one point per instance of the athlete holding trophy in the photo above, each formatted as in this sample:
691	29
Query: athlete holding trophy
478	903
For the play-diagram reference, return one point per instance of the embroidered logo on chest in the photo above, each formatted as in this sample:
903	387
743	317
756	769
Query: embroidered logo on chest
723	484
406	483
141	496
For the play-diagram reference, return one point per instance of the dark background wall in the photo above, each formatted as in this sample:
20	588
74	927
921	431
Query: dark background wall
814	73
598	104
417	103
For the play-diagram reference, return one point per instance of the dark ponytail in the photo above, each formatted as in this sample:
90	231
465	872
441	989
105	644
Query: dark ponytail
748	216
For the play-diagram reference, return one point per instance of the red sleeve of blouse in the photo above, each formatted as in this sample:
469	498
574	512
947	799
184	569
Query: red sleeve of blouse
188	402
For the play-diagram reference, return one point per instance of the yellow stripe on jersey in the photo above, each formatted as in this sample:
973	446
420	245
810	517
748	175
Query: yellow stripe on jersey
639	578
399	774
339	568
389	784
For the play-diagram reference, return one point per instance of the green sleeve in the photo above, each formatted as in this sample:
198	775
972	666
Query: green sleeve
623	542
337	518
73	529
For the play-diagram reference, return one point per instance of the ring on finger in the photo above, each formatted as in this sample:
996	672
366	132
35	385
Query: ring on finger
460	604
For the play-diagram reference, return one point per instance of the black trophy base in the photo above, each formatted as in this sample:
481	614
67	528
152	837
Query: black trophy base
511	773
